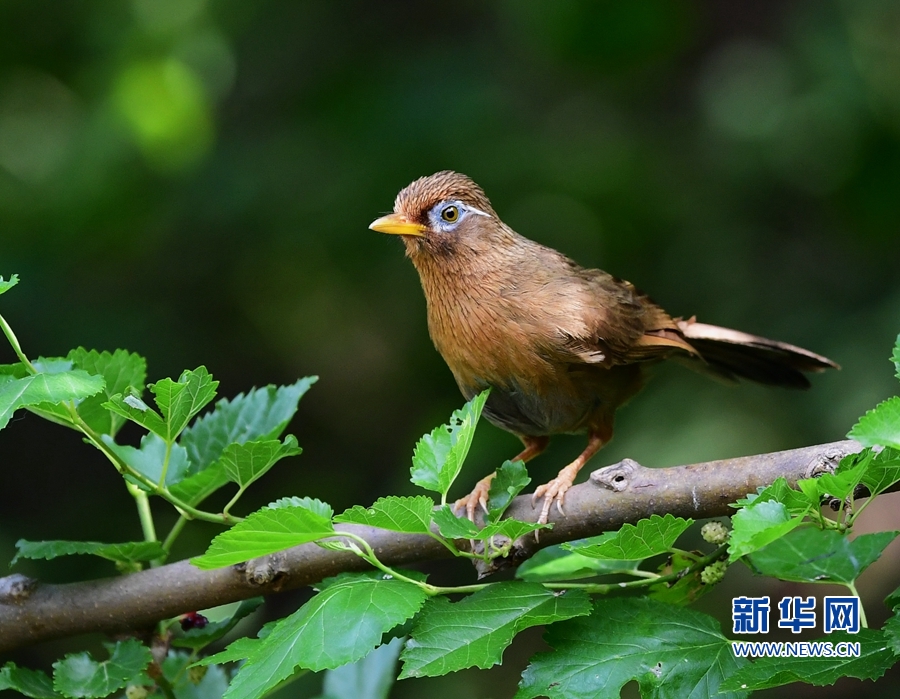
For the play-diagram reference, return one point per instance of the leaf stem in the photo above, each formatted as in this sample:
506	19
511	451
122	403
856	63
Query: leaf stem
862	612
606	588
174	532
144	514
17	348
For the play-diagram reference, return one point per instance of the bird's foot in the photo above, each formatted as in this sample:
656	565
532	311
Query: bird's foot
478	496
555	491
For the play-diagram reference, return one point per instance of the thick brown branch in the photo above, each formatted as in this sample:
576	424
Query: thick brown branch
625	492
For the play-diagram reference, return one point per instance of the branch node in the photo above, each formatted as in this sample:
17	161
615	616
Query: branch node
16	588
268	571
824	462
616	477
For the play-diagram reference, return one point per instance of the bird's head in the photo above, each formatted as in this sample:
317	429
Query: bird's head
442	214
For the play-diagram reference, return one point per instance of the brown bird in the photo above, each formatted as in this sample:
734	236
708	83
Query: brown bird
561	347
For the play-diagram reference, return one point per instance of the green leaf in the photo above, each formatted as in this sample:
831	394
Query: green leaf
687	589
757	525
263	413
212	685
239	649
317	636
672	653
882	470
263	532
892	632
35	389
879	426
196	488
180	401
411	515
649	537
195	639
149	459
511	478
31	683
816	555
7	284
245	463
796	502
554	563
132	407
369	678
121	370
323	509
895	357
130	552
875	658
439	456
79	675
475	631
452	527
511	529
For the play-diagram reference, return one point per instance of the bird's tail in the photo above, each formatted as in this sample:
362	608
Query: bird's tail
732	354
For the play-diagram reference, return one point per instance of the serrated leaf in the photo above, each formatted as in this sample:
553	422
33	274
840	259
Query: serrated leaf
7	284
130	406
816	555
197	487
323	509
245	463
882	470
510	480
149	459
796	502
369	678
263	413
875	658
79	675
475	631
180	401
879	426
239	649
757	525
649	537
31	683
895	357
317	635
42	388
196	639
511	529
687	589
672	652
212	685
120	370
452	527
892	632
411	515
129	552
554	563
439	456
263	532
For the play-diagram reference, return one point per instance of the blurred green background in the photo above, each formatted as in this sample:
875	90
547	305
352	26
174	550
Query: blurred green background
192	180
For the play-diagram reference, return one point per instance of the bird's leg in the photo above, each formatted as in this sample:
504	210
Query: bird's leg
555	490
479	494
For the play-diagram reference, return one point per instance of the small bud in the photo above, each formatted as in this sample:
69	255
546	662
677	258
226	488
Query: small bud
713	573
714	532
136	691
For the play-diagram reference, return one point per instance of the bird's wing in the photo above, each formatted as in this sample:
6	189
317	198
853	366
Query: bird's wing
622	325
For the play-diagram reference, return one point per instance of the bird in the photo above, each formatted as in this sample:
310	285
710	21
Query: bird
560	347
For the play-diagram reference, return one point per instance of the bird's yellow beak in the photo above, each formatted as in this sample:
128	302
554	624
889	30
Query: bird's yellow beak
397	224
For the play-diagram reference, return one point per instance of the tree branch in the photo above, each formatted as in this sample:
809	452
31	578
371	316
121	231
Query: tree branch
31	611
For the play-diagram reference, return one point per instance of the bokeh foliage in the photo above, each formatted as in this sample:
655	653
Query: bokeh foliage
192	180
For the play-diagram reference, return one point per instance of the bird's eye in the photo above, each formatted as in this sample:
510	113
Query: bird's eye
450	214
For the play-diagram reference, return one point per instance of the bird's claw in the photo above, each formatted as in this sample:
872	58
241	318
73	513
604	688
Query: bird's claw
478	496
554	491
